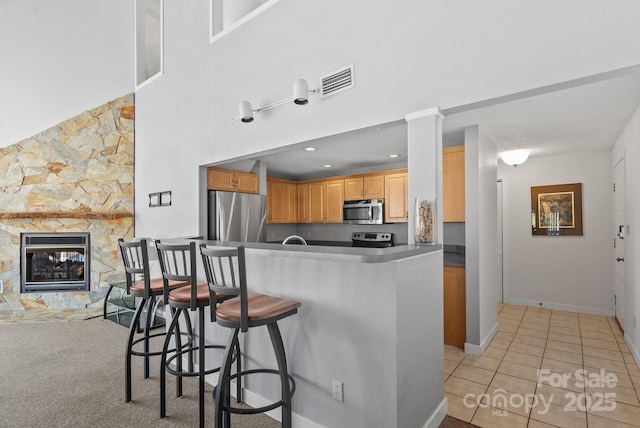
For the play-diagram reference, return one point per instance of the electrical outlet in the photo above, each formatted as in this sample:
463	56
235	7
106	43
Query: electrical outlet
338	390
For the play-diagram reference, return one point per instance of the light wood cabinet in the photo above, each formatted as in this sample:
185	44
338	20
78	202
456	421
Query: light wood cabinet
282	201
303	202
396	205
453	184
335	201
232	181
326	199
364	187
455	308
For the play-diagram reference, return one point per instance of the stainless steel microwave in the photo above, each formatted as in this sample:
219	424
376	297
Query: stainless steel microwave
367	211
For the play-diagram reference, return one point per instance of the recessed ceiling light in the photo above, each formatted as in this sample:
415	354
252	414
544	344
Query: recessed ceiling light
310	149
328	165
394	155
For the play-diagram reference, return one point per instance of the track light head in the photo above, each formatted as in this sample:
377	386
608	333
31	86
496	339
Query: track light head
246	112
300	92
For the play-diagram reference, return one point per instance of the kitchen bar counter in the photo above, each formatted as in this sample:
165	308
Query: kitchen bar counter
338	253
370	318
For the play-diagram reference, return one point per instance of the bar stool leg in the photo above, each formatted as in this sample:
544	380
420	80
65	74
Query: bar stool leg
201	363
278	347
147	329
223	418
238	370
132	331
163	358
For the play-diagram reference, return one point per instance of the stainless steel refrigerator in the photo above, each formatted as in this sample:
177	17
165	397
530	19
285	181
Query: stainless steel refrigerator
240	217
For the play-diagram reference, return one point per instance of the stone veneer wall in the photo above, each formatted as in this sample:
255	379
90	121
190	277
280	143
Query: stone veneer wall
74	177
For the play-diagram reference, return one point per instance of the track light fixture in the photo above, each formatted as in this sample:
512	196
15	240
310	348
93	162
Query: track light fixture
301	94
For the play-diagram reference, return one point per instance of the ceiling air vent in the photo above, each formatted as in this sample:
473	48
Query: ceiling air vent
338	81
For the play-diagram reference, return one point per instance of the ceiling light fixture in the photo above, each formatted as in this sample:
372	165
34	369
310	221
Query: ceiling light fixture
328	165
394	155
310	149
300	96
515	157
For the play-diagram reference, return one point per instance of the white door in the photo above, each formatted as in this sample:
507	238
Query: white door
619	219
500	269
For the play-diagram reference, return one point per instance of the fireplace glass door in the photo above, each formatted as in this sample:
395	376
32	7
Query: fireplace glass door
50	264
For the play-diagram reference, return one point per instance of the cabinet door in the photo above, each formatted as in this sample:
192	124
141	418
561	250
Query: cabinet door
316	202
220	179
303	203
455	316
453	184
276	202
353	188
395	198
246	182
291	203
373	186
335	201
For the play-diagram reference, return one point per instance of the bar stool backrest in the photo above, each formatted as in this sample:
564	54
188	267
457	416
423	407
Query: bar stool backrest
178	263
226	273
135	257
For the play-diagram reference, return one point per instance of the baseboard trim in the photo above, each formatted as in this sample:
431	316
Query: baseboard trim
634	351
478	350
438	415
560	307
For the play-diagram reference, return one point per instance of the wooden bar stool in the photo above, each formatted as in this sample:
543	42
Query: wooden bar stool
135	257
178	263
226	273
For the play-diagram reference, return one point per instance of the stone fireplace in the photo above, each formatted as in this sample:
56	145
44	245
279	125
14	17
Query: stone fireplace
75	178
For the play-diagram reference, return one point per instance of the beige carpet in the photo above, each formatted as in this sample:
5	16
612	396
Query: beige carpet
71	374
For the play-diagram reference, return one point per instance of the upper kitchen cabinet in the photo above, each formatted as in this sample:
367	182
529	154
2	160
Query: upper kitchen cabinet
326	199
282	201
453	184
396	205
364	187
232	181
302	200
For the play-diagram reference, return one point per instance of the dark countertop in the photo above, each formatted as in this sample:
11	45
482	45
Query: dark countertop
454	256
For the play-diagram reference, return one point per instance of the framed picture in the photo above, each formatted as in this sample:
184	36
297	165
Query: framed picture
556	210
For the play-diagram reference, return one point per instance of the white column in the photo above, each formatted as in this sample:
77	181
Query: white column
233	10
424	152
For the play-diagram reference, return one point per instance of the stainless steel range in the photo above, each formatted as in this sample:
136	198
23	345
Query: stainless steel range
373	239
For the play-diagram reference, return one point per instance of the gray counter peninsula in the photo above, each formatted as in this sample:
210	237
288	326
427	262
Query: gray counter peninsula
370	318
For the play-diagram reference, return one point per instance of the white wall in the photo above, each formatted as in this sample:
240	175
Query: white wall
184	118
627	146
481	240
563	272
60	58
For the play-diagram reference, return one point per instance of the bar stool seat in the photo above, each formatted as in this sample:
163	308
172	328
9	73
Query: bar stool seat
260	308
156	286
226	273
183	296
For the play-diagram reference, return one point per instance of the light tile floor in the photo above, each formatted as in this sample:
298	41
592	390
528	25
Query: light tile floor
546	368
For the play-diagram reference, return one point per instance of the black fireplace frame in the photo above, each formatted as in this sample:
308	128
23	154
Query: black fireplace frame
55	243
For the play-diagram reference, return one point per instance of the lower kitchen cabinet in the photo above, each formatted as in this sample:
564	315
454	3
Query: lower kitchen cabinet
455	308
